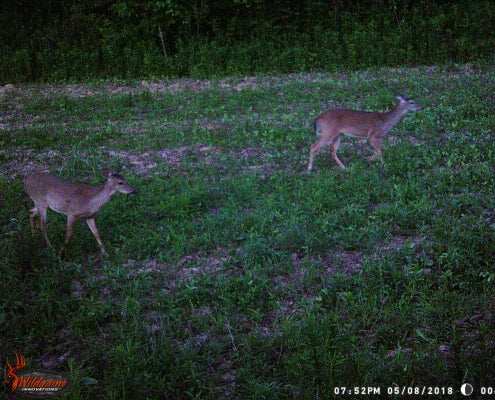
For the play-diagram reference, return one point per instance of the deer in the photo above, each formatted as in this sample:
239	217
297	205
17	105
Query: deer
11	377
75	200
331	125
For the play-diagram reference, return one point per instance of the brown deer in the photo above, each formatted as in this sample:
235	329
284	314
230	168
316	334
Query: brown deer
360	124
76	200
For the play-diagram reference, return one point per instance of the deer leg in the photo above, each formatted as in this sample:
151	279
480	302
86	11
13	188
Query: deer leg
33	213
41	211
92	226
71	221
333	150
377	145
314	148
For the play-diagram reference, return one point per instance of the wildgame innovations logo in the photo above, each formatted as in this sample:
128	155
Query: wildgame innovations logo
37	383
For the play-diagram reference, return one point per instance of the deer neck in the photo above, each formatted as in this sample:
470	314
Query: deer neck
393	117
101	197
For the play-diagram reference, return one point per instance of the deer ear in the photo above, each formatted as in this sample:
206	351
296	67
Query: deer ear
107	172
400	97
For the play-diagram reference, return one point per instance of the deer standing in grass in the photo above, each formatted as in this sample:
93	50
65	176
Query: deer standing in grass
76	200
360	124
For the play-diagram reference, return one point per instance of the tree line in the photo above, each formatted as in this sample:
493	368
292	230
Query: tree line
72	40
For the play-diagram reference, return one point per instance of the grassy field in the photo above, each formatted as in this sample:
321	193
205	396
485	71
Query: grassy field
235	274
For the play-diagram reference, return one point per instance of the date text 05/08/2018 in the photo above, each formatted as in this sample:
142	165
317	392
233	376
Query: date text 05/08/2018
393	390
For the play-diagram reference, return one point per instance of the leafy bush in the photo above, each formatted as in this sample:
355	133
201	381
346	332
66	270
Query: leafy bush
62	40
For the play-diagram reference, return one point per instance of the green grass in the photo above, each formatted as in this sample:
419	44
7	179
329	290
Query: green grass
236	274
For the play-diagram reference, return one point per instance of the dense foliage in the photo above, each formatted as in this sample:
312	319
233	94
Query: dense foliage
71	40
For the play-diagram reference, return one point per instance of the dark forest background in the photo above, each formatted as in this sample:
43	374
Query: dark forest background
46	40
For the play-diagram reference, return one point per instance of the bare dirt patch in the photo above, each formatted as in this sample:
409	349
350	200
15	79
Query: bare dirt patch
21	162
202	264
24	162
82	90
345	262
186	268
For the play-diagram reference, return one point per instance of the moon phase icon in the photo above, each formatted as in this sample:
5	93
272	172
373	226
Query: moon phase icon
467	389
